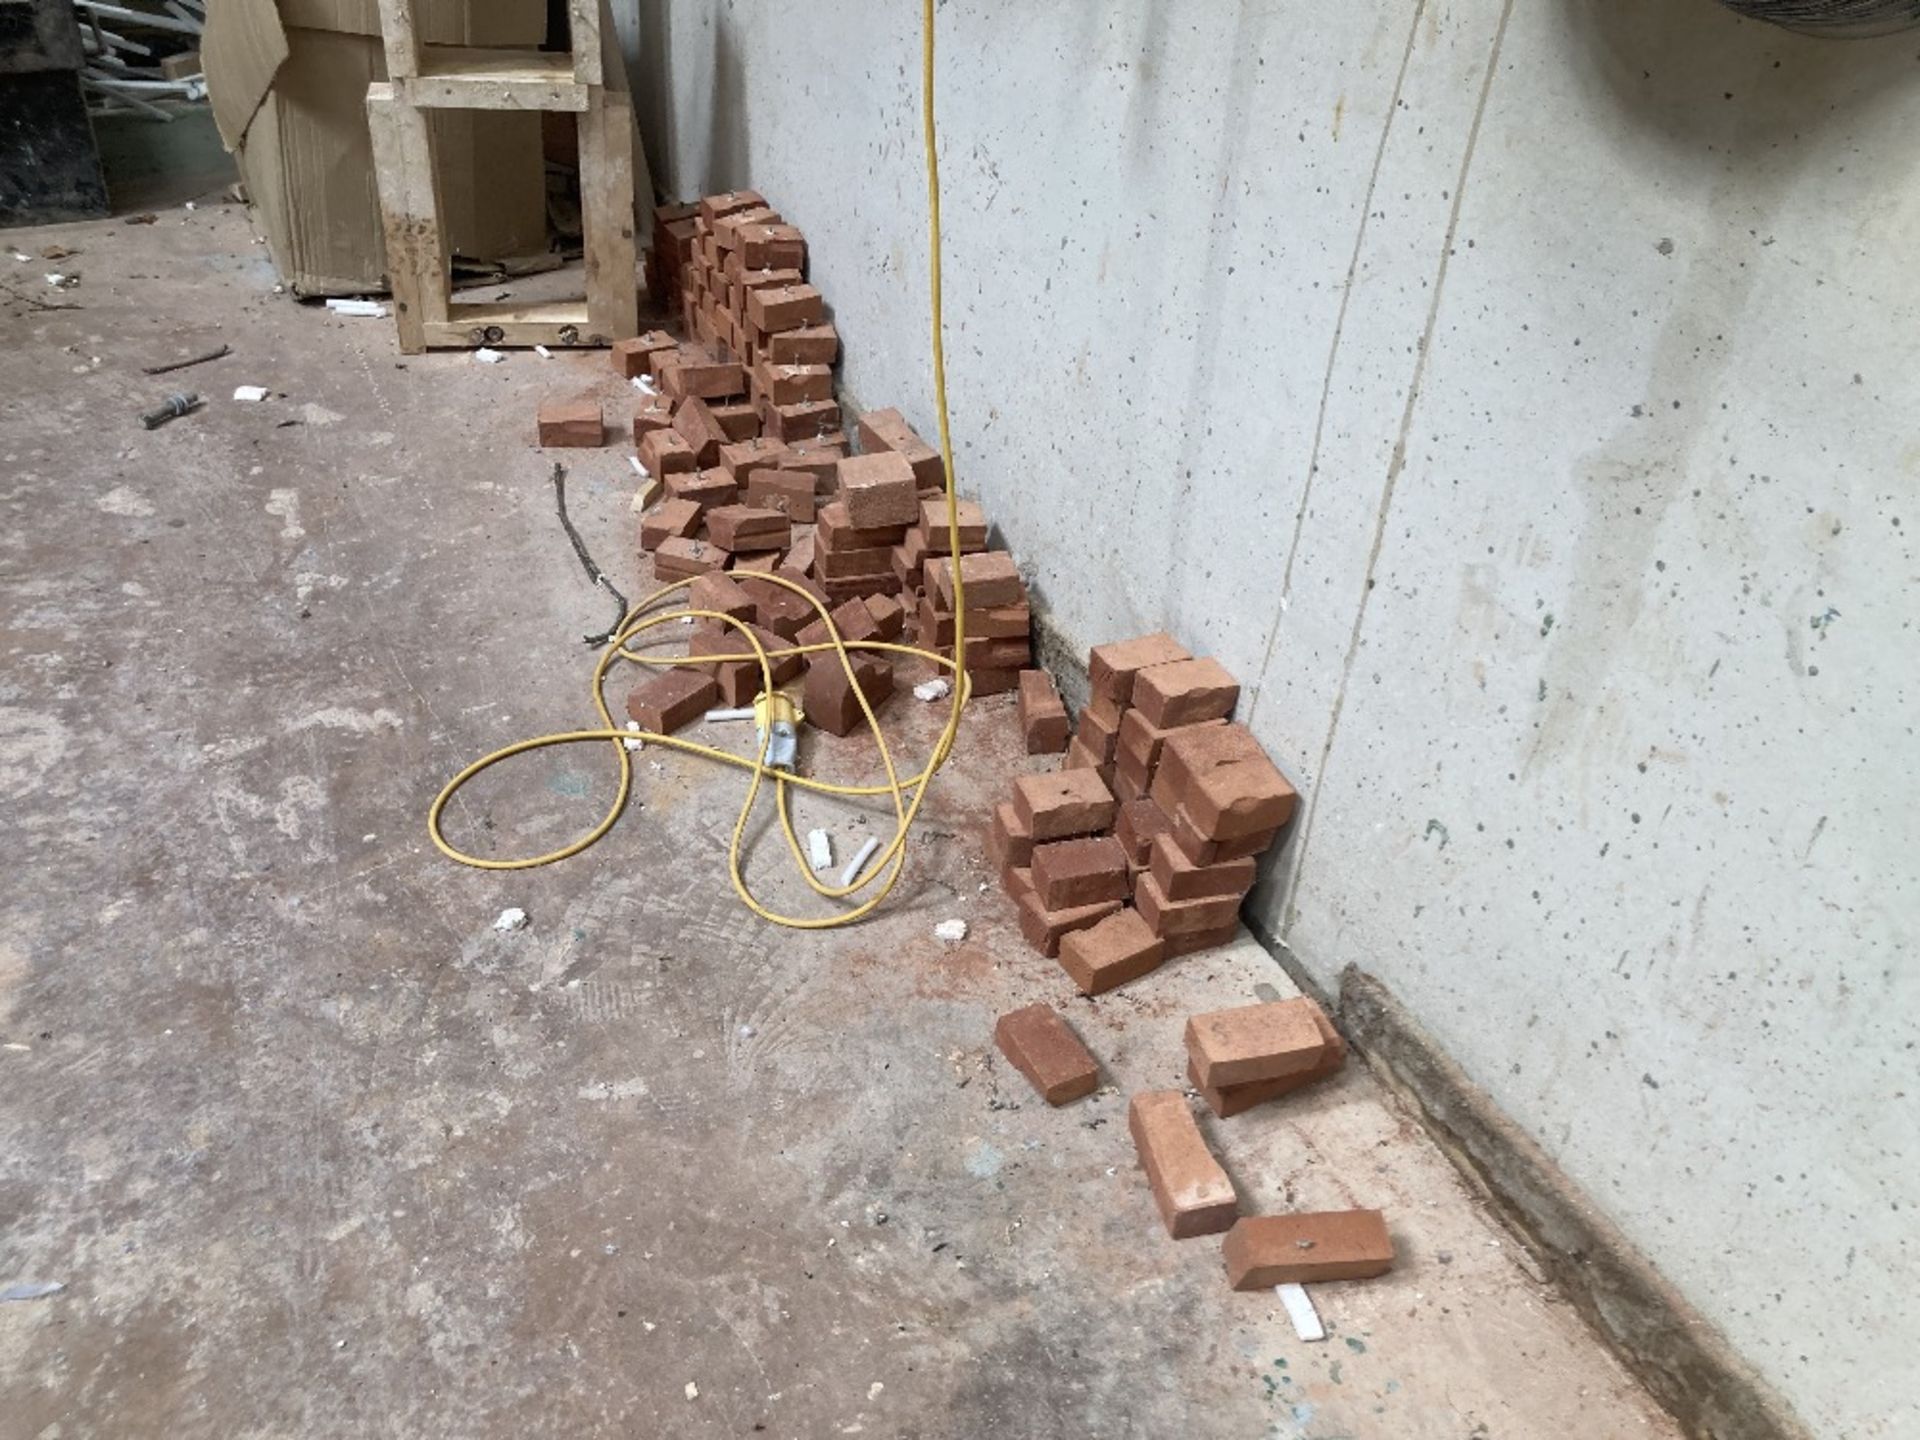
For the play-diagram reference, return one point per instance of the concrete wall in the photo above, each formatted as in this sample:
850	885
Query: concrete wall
1520	397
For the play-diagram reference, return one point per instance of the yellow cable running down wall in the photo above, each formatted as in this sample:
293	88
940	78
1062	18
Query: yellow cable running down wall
907	794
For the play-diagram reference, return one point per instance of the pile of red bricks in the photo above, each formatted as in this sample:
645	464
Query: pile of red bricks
1144	844
759	476
1237	1058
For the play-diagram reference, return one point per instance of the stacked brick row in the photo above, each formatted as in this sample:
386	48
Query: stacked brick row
1143	845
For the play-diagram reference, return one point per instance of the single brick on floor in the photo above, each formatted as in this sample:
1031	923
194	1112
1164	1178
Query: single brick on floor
1062	804
573	424
1191	1191
1255	1042
1262	1251
1042	1047
1111	668
673	698
1106	955
1087	870
1043	715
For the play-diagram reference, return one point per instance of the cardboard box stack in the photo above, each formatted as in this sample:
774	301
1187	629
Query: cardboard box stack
1142	846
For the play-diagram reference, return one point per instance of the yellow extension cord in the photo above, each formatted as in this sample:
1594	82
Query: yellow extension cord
907	795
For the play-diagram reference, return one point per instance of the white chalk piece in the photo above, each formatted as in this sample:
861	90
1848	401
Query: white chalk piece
32	1290
745	713
693	1391
636	743
852	872
512	918
543	352
252	394
952	931
644	385
359	309
1299	1307
935	689
638	468
819	850
488	357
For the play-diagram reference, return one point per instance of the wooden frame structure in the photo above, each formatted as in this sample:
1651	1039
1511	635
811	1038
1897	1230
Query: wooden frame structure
589	82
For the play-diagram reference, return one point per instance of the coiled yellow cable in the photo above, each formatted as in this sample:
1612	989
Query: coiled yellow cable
907	795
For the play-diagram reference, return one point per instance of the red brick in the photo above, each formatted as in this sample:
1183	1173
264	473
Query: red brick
809	345
889	616
1170	917
678	559
990	579
1141	737
1042	1047
1043	716
746	527
1111	667
573	424
1180	879
1191	1191
664	453
788	491
709	489
1228	802
1098	734
1193	944
712	207
994	682
1185	692
1044	929
1118	949
737	419
938	539
1135	825
984	653
776	609
988	622
888	430
759	562
786	307
1229	1100
670	699
740	457
794	423
851	618
1009	844
727	228
877	491
631	357
829	698
668	520
1081	871
793	384
1126	787
772	247
1255	1042
838	531
1063	804
1201	851
694	423
1082	757
708	376
654	412
1262	1251
721	593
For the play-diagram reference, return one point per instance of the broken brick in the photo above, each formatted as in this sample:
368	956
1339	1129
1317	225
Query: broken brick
1170	917
888	430
1184	692
1043	715
938	538
1118	949
668	520
1009	844
1044	929
829	699
1178	878
1082	871
1111	667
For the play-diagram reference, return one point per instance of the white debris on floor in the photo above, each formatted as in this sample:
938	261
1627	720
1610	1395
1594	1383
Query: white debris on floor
819	850
512	918
951	931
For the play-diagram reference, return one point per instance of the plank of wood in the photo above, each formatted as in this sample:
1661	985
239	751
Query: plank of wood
555	323
461	78
401	38
607	215
584	19
417	269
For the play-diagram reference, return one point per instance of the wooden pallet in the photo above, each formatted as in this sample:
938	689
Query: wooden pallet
589	82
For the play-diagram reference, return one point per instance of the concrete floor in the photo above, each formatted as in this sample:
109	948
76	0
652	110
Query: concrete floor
315	1151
